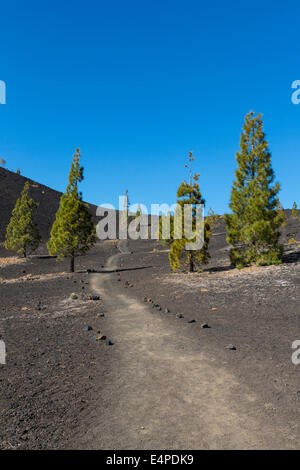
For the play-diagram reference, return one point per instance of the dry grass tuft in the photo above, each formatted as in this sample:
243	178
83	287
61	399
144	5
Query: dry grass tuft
35	277
11	260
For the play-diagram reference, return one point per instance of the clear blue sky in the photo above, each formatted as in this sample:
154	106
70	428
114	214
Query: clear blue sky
137	84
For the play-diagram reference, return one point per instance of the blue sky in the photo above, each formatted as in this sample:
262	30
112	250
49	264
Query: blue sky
138	84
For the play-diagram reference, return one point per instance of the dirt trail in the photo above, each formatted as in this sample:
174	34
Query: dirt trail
163	392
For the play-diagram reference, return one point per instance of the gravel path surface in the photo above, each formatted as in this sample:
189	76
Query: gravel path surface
166	393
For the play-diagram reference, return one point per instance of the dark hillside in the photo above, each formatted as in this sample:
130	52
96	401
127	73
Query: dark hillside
11	186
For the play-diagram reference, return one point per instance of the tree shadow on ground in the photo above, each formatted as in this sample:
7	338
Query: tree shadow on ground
289	258
218	269
118	270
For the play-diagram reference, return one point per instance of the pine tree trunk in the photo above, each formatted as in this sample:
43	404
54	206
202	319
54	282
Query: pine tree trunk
191	264
72	265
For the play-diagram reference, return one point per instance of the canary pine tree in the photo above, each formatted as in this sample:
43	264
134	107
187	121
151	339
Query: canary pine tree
295	210
138	212
253	226
138	218
188	193
22	235
73	232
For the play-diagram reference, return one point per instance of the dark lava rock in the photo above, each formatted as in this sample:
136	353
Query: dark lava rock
93	297
99	337
193	321
231	347
205	325
87	328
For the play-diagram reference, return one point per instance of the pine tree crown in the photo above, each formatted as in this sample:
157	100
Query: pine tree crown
22	235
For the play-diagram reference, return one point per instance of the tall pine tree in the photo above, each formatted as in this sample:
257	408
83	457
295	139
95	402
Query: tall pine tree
295	210
22	235
188	194
253	226
73	232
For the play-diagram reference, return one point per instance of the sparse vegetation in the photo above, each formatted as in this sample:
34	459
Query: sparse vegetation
292	241
138	218
22	235
295	211
138	212
73	232
163	222
11	260
281	214
253	226
212	218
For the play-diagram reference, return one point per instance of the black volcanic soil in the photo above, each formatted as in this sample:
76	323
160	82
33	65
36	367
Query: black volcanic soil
256	309
164	383
54	368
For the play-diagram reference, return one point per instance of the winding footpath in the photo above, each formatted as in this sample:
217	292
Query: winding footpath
162	392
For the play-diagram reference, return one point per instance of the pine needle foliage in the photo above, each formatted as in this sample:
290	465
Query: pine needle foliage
22	234
253	226
295	211
189	193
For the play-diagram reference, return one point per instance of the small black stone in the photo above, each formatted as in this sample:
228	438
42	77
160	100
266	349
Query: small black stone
94	297
87	328
231	347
